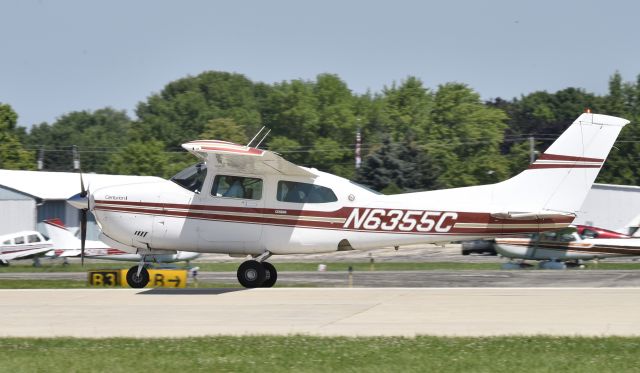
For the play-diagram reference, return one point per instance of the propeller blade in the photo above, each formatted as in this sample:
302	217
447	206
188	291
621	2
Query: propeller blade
83	233
83	192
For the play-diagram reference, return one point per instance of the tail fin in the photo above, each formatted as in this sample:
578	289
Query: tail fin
561	177
60	235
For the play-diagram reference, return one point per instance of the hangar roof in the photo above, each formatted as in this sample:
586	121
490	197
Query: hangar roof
61	185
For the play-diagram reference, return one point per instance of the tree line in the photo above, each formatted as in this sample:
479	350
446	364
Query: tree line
413	137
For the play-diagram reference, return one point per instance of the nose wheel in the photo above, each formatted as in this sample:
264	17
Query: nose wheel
254	274
137	280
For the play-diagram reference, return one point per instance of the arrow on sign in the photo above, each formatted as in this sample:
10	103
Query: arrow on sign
176	281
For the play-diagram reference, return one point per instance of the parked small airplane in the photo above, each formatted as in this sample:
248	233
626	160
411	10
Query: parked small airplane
554	250
69	246
24	245
242	200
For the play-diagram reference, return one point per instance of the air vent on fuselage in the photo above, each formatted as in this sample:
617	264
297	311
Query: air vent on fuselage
140	233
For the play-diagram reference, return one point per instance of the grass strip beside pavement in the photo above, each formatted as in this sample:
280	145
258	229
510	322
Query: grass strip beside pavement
322	354
312	266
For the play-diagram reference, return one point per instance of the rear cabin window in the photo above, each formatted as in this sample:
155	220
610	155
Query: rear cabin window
19	240
291	191
33	238
7	242
237	187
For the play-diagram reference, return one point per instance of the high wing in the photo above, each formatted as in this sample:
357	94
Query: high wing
223	154
24	254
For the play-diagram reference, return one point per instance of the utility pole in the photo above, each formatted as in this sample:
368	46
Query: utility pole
358	140
76	158
40	164
532	149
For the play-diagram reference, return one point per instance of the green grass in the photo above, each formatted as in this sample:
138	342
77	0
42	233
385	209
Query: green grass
318	354
42	284
289	266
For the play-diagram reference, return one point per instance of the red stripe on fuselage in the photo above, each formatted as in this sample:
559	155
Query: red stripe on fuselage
297	218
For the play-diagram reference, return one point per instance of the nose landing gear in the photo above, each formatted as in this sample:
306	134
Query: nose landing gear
138	276
257	273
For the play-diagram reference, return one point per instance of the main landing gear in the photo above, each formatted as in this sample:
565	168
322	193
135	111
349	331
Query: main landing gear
257	273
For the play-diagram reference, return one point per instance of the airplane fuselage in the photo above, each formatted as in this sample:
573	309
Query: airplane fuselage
174	218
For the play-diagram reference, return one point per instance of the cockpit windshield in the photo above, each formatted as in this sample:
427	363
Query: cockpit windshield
192	177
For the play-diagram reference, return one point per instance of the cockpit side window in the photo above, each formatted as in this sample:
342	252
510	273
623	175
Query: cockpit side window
291	191
33	238
237	187
19	240
192	178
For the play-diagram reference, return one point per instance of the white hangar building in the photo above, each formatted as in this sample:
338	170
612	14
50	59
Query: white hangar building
29	197
614	207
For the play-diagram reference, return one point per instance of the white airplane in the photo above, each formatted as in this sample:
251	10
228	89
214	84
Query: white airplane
554	250
241	200
68	246
24	245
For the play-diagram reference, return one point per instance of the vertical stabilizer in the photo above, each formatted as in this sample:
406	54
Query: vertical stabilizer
561	177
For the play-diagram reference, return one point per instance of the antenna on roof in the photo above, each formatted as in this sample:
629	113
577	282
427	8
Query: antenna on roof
263	137
254	137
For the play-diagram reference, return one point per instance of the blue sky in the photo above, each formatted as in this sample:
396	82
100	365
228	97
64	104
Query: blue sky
61	56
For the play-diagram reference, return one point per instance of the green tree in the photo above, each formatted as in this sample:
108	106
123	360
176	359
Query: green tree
465	137
95	133
141	158
12	154
224	129
398	167
329	155
289	149
291	111
406	109
336	119
621	165
181	110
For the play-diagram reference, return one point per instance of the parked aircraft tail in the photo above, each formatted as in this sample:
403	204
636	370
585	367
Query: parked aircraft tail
63	238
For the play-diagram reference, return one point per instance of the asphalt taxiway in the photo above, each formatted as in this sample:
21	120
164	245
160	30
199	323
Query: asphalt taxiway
96	313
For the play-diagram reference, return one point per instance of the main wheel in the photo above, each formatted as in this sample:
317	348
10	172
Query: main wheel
251	274
135	281
271	275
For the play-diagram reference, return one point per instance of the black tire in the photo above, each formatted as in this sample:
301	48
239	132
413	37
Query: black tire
135	281
271	275
251	274
4	263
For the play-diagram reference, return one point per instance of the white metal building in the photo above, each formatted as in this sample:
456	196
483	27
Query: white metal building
17	211
609	206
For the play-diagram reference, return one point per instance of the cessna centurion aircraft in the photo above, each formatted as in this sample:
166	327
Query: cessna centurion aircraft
241	200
